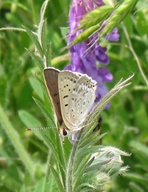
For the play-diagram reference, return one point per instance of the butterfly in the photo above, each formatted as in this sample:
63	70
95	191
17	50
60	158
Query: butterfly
72	95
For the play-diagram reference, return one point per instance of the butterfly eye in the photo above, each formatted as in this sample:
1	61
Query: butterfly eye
64	132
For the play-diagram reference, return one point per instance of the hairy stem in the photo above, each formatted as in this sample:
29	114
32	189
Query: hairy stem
69	173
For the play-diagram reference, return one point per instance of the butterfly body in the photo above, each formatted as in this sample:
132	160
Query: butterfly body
72	95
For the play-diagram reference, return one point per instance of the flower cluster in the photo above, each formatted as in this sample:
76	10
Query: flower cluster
107	162
85	55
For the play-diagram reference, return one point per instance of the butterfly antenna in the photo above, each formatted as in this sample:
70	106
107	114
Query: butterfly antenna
39	128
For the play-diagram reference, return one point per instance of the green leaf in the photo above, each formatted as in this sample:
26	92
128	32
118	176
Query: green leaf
44	36
41	185
35	41
79	171
136	188
136	177
38	61
57	179
141	151
29	120
50	184
37	87
48	114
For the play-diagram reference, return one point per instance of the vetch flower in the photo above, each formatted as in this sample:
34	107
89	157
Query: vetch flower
85	55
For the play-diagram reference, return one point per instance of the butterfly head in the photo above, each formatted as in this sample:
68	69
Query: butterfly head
63	130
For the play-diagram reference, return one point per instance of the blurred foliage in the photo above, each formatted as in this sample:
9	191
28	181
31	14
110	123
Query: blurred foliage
126	121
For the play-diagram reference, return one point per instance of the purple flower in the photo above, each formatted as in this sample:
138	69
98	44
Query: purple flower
85	55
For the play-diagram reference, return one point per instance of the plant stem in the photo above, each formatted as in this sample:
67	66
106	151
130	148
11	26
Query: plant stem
69	173
12	29
134	54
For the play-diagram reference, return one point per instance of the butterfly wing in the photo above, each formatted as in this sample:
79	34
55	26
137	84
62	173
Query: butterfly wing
82	100
51	81
66	82
77	95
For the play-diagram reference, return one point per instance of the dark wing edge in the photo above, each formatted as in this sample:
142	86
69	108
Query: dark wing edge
51	82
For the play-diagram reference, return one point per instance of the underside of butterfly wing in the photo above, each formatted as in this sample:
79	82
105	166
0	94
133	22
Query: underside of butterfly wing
77	95
66	82
51	81
82	100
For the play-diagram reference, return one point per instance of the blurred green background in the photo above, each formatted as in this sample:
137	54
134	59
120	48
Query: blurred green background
126	121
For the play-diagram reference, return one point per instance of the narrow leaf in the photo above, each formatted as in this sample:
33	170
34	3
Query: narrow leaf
28	119
36	59
34	40
57	179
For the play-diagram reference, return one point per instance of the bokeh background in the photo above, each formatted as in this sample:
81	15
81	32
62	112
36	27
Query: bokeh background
126	121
